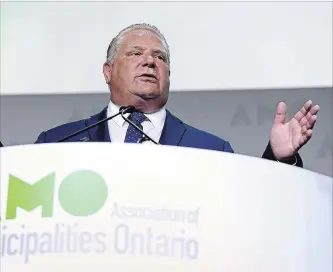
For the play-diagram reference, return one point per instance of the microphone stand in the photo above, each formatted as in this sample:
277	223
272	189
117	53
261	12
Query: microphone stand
122	111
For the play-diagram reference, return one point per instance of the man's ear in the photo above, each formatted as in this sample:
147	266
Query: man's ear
107	71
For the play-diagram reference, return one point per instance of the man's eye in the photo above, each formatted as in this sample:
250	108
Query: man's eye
136	53
161	57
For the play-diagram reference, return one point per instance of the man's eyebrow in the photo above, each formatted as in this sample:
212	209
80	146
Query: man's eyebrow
135	47
160	51
141	49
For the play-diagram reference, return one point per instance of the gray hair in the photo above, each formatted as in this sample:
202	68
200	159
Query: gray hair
116	41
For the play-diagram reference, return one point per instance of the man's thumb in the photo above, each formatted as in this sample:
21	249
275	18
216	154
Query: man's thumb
281	112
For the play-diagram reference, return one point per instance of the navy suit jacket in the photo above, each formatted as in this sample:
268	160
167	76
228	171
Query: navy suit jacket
175	132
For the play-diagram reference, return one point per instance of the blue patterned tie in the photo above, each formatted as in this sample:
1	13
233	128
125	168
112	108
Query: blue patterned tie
132	134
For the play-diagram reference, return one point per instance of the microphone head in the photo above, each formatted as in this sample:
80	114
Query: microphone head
127	109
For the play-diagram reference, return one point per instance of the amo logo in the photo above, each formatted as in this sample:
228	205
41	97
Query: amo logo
81	193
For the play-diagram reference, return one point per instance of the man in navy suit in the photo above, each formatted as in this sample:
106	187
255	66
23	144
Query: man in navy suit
137	71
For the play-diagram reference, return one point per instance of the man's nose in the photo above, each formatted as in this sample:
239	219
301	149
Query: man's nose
149	61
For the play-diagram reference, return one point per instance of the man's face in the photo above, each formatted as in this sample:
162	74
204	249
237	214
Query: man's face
139	74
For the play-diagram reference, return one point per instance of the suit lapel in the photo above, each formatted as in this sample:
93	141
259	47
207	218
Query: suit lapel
99	133
173	130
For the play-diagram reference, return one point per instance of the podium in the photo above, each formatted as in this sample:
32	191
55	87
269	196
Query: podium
126	207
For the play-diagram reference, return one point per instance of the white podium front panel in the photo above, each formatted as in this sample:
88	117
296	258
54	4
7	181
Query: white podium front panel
124	207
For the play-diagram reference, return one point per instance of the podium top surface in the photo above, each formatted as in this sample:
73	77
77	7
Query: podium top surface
169	156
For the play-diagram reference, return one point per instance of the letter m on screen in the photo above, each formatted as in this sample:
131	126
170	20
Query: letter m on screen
30	196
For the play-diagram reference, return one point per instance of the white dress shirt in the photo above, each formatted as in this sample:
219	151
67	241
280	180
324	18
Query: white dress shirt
118	126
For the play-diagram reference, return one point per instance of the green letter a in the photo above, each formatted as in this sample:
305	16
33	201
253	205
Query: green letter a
30	196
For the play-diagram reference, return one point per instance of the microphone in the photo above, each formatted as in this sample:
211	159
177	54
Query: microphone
143	139
145	136
123	110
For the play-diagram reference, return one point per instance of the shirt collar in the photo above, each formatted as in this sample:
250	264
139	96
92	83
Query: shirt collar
156	118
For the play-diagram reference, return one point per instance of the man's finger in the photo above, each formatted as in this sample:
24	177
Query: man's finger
280	116
310	124
309	133
303	111
305	137
314	110
303	121
303	130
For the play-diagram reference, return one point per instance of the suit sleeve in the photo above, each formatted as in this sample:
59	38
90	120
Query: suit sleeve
41	138
227	147
268	154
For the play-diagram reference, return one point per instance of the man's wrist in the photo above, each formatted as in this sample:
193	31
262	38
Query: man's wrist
291	160
295	160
